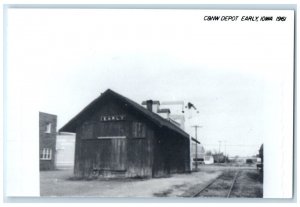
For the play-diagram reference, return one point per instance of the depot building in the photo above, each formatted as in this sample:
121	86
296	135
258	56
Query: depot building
116	137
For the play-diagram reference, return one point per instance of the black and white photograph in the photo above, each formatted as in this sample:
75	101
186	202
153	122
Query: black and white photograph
149	103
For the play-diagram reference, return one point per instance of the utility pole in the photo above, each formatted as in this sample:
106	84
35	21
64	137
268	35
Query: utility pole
225	153
196	129
219	151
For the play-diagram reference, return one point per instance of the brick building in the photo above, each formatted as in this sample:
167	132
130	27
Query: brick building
47	128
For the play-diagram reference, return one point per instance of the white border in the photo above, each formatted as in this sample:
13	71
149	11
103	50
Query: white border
136	2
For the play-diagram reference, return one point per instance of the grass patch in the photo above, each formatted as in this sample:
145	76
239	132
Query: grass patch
248	185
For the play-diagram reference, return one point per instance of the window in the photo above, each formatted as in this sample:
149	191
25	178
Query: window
48	128
111	129
46	154
138	130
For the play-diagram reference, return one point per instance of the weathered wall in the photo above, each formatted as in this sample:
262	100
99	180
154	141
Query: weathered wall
125	157
154	152
171	153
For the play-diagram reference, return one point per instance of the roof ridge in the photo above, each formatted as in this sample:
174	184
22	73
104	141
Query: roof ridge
157	119
144	110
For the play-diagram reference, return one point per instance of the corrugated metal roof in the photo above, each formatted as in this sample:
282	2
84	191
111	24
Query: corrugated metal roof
151	116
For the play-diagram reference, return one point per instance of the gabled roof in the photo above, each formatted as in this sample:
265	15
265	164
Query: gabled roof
153	117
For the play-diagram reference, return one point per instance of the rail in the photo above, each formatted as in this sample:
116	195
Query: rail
213	181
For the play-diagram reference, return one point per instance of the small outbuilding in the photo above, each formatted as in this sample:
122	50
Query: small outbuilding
116	137
208	159
65	151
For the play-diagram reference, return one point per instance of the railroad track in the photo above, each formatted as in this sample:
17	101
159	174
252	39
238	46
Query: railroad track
222	186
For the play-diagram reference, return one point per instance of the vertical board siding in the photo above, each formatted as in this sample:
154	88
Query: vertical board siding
78	160
138	130
171	154
159	168
139	162
147	150
127	157
102	155
110	129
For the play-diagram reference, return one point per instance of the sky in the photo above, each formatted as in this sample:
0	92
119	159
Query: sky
235	73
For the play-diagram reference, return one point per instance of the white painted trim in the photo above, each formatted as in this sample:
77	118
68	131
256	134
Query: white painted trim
46	154
112	137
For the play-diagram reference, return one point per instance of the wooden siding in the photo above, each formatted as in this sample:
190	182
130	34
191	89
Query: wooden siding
138	130
171	154
129	157
145	150
139	154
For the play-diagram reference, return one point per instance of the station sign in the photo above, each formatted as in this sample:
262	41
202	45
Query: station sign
112	118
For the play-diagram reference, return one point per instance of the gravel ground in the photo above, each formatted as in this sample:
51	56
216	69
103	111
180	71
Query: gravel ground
57	183
221	187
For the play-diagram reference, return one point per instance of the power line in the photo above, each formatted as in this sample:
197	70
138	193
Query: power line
232	145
